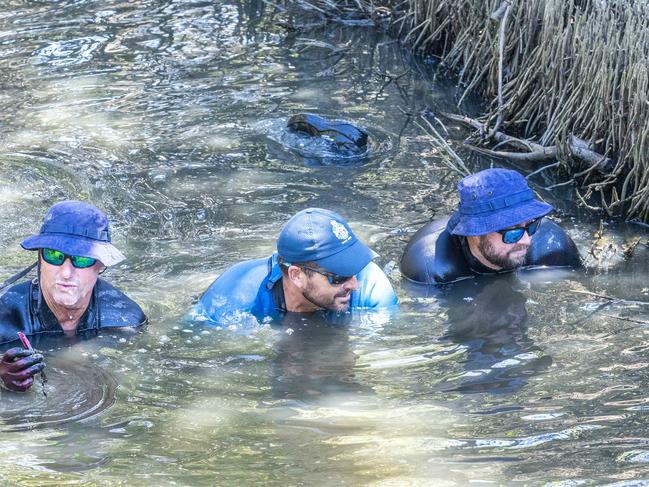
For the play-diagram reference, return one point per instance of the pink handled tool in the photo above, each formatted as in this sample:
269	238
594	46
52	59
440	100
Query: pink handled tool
25	341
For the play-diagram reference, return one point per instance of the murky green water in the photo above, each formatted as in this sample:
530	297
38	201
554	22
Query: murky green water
167	114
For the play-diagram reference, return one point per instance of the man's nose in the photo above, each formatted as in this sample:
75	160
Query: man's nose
67	269
525	239
351	284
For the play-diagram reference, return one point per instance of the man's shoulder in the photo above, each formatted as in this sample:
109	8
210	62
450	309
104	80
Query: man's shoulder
552	246
433	255
235	290
116	309
375	289
371	272
16	294
243	276
14	311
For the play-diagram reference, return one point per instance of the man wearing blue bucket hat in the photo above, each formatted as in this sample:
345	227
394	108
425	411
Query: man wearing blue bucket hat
74	247
319	265
498	227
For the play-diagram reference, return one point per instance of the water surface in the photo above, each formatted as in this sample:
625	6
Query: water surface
168	115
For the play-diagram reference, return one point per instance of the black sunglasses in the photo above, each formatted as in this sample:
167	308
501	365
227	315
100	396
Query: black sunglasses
513	235
334	279
57	258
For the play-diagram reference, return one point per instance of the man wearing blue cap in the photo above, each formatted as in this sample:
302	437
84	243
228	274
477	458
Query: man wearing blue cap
74	247
319	265
498	227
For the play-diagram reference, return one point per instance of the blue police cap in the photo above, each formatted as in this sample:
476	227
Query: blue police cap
323	237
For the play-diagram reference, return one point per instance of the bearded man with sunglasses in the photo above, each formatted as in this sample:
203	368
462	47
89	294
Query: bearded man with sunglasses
319	265
498	227
68	298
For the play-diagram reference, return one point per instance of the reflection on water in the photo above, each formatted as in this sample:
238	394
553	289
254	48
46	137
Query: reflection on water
77	391
169	116
313	358
488	318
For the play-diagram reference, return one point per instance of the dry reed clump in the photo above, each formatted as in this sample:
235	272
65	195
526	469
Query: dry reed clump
570	68
557	70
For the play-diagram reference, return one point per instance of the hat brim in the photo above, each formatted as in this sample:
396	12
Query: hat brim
105	252
474	225
349	261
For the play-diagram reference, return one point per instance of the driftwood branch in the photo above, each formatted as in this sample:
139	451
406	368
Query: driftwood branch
546	154
578	148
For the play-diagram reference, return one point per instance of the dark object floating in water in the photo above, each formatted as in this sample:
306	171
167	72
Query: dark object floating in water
345	136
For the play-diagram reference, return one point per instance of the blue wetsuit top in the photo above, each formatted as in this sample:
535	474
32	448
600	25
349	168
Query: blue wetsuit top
255	287
434	256
22	308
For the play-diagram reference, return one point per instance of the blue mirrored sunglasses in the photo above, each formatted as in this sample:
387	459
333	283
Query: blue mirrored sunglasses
513	235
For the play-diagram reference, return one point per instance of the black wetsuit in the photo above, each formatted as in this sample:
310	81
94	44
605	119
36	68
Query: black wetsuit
22	308
434	256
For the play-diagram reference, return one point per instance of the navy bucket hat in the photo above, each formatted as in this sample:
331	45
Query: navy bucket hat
323	237
492	200
76	228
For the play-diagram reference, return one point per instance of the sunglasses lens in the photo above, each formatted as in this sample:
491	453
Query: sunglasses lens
337	280
82	262
514	235
533	227
53	257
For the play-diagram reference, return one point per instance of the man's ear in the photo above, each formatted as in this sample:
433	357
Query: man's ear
296	276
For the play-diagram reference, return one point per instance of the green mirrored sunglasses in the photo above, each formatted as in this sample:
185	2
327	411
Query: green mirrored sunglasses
57	258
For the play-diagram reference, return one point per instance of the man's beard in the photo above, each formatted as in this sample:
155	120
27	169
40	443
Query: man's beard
504	261
325	302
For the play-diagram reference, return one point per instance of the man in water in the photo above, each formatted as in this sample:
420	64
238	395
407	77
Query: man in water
319	265
67	298
498	227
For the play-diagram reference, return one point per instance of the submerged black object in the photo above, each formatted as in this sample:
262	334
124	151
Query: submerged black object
345	135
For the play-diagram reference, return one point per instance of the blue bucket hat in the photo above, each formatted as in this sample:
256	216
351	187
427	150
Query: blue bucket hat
76	228
492	200
323	237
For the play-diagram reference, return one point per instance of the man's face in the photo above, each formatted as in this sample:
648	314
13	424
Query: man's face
66	285
501	255
327	296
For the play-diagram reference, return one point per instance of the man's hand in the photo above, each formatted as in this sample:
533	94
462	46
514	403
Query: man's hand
18	367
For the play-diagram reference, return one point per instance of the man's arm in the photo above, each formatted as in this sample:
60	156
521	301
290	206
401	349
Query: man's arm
233	292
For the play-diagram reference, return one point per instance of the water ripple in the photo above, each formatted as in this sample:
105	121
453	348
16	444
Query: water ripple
526	442
75	392
69	52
